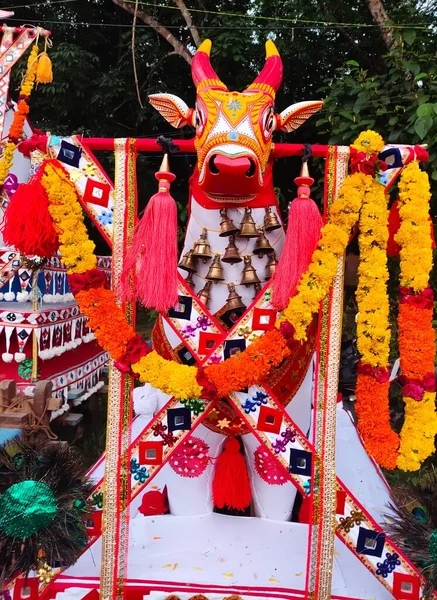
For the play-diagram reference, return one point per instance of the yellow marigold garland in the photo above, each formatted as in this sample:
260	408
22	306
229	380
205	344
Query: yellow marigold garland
369	142
416	333
315	283
171	378
76	248
16	128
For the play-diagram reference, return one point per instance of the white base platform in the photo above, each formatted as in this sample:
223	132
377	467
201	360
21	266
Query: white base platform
239	552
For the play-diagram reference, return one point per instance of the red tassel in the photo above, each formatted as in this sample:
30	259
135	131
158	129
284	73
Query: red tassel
231	485
303	234
152	258
28	226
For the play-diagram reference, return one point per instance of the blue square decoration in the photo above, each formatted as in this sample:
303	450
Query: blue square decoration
70	154
178	418
183	309
370	542
300	462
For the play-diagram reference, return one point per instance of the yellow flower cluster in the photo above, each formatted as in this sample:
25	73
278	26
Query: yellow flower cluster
315	283
373	304
368	142
171	378
7	157
414	233
418	432
76	248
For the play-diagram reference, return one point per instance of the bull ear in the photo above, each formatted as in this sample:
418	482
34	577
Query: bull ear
173	109
295	115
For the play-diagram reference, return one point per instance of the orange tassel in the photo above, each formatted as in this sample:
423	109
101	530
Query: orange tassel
231	485
44	73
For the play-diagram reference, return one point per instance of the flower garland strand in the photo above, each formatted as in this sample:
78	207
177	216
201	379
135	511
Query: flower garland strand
416	333
373	334
17	126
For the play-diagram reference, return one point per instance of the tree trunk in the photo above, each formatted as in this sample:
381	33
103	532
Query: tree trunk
381	18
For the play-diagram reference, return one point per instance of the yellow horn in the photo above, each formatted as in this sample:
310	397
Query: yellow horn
271	49
205	46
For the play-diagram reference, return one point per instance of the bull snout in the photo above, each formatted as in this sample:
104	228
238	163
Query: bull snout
233	166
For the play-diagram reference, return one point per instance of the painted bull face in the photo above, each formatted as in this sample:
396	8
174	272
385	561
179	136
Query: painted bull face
233	130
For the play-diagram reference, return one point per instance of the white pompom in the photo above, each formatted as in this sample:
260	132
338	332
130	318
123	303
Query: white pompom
146	400
23	296
9	296
7	357
2	296
19	357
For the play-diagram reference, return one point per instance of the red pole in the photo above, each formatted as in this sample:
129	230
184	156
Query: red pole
151	145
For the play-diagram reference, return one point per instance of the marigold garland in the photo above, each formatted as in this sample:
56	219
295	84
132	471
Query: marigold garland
106	320
76	248
251	366
16	128
368	142
416	333
315	283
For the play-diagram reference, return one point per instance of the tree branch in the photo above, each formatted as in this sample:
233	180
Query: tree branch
178	46
381	18
189	21
343	30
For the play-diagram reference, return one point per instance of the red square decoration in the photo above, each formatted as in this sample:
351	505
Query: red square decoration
263	319
93	523
406	587
96	192
269	420
341	500
26	588
150	453
207	341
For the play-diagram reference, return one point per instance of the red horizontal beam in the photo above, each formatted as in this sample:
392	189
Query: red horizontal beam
151	145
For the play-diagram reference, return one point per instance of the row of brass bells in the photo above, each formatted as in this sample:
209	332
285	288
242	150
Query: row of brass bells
215	271
271	265
262	246
271	221
249	273
227	226
189	279
231	254
234	301
202	249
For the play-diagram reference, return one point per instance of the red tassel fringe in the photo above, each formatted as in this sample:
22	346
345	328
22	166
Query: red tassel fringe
303	234
152	258
28	226
231	484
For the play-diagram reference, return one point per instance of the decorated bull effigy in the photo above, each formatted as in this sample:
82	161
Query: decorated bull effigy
240	476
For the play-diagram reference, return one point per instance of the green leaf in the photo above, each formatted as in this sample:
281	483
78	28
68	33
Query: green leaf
425	110
347	115
412	66
352	63
422	126
409	36
393	120
434	175
421	76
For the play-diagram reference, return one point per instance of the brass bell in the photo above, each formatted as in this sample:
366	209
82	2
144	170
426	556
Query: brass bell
205	293
257	290
233	301
249	273
215	271
231	254
189	280
202	248
248	228
262	245
227	226
271	265
271	221
188	262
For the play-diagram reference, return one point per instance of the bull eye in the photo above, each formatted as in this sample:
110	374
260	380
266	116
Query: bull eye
268	122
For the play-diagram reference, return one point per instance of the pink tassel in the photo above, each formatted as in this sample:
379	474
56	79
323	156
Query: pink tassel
150	269
303	234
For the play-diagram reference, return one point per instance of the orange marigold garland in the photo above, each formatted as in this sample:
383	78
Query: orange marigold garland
16	128
416	333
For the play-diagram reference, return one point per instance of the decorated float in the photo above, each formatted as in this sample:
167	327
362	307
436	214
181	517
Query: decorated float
240	475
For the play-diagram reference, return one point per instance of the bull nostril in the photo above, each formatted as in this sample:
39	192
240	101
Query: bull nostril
252	169
212	166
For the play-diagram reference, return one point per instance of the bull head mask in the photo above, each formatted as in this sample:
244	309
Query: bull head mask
233	130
